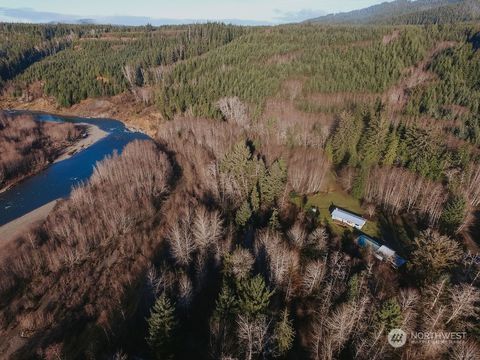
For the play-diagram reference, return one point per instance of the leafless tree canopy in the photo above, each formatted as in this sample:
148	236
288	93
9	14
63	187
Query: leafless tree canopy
399	189
313	276
27	146
91	247
234	111
253	336
307	170
473	186
197	232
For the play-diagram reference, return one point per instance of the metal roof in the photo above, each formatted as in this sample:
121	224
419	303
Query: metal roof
386	251
364	240
343	214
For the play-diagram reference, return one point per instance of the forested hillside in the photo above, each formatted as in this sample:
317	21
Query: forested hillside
215	239
408	12
21	46
110	63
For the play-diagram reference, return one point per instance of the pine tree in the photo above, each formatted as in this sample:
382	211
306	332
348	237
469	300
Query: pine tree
423	153
372	143
255	199
284	334
453	214
254	296
226	304
345	139
236	161
433	254
358	186
354	287
390	315
161	325
272	183
392	148
244	213
274	222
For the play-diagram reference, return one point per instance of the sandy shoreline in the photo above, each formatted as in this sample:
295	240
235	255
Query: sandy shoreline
122	107
94	134
17	227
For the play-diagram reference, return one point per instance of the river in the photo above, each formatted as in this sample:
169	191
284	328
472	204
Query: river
57	180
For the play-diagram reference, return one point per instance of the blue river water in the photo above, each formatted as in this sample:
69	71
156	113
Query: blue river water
58	179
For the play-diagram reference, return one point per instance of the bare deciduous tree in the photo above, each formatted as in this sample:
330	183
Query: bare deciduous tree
234	111
465	350
297	235
153	280
330	333
372	345
307	170
185	290
346	177
318	239
473	186
120	355
55	352
370	210
408	299
28	146
313	276
240	263
207	229
463	302
435	292
129	73
181	241
252	335
341	323
283	262
399	189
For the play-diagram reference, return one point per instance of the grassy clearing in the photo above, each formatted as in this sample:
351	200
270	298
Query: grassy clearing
323	201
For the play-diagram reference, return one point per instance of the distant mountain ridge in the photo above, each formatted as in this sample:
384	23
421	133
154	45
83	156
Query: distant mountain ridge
408	12
26	15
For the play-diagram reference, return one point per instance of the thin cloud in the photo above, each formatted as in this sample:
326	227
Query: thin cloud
297	16
34	16
31	15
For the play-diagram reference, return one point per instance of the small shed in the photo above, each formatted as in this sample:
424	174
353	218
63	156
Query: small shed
348	218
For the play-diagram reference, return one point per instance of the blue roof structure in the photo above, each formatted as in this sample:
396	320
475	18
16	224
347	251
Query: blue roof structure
349	217
364	240
399	261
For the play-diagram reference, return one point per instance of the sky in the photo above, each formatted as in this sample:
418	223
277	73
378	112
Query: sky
254	11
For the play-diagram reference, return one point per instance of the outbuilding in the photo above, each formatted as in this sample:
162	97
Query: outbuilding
381	252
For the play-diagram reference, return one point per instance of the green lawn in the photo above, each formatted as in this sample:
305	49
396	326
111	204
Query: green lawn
339	198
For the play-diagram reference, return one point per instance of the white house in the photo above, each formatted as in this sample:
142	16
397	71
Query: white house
348	218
